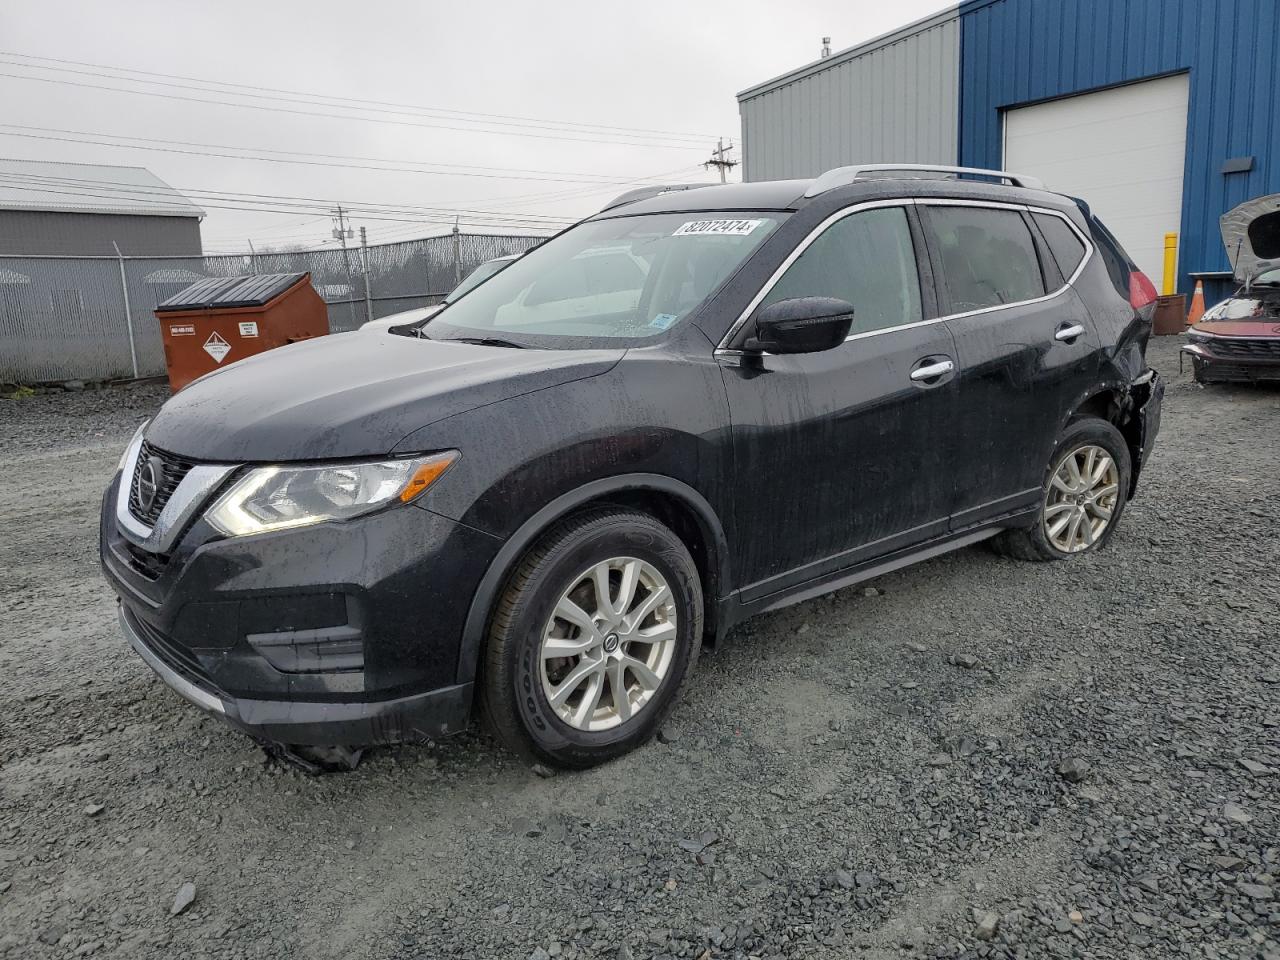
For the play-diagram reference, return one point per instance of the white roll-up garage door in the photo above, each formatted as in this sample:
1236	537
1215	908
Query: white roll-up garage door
1121	150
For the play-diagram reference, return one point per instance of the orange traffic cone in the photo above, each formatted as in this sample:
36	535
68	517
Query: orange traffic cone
1197	305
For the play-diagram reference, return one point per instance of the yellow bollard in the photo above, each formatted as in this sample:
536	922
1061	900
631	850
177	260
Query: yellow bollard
1170	263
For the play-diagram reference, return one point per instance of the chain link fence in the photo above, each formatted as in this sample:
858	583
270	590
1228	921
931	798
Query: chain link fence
88	318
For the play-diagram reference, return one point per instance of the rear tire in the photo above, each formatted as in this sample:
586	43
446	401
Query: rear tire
1080	505
580	689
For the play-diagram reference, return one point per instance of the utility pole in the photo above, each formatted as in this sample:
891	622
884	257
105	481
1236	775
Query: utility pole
253	258
342	233
719	159
364	265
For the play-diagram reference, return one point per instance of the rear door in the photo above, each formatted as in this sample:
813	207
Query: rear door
1026	345
841	455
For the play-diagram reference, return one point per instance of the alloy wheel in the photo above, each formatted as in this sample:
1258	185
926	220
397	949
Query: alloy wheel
608	644
1083	494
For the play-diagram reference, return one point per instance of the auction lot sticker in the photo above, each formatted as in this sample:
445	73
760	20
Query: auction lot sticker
216	347
725	228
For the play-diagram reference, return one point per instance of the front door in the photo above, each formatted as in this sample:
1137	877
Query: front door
840	454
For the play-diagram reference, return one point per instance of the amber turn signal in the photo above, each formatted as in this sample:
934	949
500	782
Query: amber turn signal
428	473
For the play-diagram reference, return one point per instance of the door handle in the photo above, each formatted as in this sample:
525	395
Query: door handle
1069	332
932	370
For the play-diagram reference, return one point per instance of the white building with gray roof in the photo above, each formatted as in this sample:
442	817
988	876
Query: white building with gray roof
80	209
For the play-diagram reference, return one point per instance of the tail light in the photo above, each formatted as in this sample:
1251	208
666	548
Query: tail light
1142	292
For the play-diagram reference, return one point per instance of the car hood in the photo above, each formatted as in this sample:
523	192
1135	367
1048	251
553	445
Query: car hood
1239	328
1251	234
351	395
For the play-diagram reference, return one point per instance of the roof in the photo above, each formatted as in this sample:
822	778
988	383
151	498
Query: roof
852	53
791	194
228	292
760	195
41	186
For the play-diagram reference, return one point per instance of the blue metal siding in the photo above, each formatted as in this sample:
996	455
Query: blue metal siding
1014	52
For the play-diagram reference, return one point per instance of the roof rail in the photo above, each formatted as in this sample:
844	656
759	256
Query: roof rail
644	193
842	176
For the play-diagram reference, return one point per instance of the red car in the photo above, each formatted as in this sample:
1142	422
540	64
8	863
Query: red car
1238	340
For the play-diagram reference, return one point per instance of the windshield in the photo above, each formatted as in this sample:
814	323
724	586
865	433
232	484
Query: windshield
478	276
625	278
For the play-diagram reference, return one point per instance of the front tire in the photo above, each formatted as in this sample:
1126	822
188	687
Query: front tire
1085	490
591	639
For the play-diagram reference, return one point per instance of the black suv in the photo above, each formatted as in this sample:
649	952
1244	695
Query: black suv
697	405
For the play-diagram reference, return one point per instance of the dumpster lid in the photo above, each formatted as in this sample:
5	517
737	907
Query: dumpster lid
252	291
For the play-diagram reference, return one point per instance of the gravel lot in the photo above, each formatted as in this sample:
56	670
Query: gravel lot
1104	781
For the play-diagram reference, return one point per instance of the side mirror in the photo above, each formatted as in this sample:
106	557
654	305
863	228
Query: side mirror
802	325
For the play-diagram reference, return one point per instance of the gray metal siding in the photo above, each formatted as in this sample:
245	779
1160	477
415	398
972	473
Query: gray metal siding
892	100
37	233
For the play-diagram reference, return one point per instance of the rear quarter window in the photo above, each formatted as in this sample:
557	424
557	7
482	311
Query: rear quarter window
1113	256
1066	247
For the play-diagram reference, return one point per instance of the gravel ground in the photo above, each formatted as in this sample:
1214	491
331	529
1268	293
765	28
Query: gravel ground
1101	780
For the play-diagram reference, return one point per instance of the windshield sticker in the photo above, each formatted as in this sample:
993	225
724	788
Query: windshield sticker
663	320
724	228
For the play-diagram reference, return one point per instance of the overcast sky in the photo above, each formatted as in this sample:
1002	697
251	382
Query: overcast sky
662	66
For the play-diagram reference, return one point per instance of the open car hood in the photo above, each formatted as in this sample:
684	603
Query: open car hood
1251	234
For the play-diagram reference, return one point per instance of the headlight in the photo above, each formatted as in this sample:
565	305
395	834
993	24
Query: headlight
276	498
1195	337
132	440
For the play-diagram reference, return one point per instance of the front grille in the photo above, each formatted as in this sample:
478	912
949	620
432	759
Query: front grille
150	565
1259	348
170	470
1225	370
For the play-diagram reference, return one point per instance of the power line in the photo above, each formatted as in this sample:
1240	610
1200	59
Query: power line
580	176
308	163
291	210
269	204
653	143
124	188
413	108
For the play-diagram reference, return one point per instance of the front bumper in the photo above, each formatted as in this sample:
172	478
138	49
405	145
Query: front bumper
436	713
339	633
1235	369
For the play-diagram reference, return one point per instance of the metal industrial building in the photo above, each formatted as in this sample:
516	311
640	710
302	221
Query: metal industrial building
90	210
1162	114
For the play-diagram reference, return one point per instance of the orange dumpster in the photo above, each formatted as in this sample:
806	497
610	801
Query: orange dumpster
224	319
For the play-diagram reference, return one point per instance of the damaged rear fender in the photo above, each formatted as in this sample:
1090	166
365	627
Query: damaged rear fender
1129	406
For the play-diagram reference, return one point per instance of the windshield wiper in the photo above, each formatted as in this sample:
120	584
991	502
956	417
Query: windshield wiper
489	342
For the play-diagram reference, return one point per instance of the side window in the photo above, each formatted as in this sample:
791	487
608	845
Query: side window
1066	247
867	259
988	256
